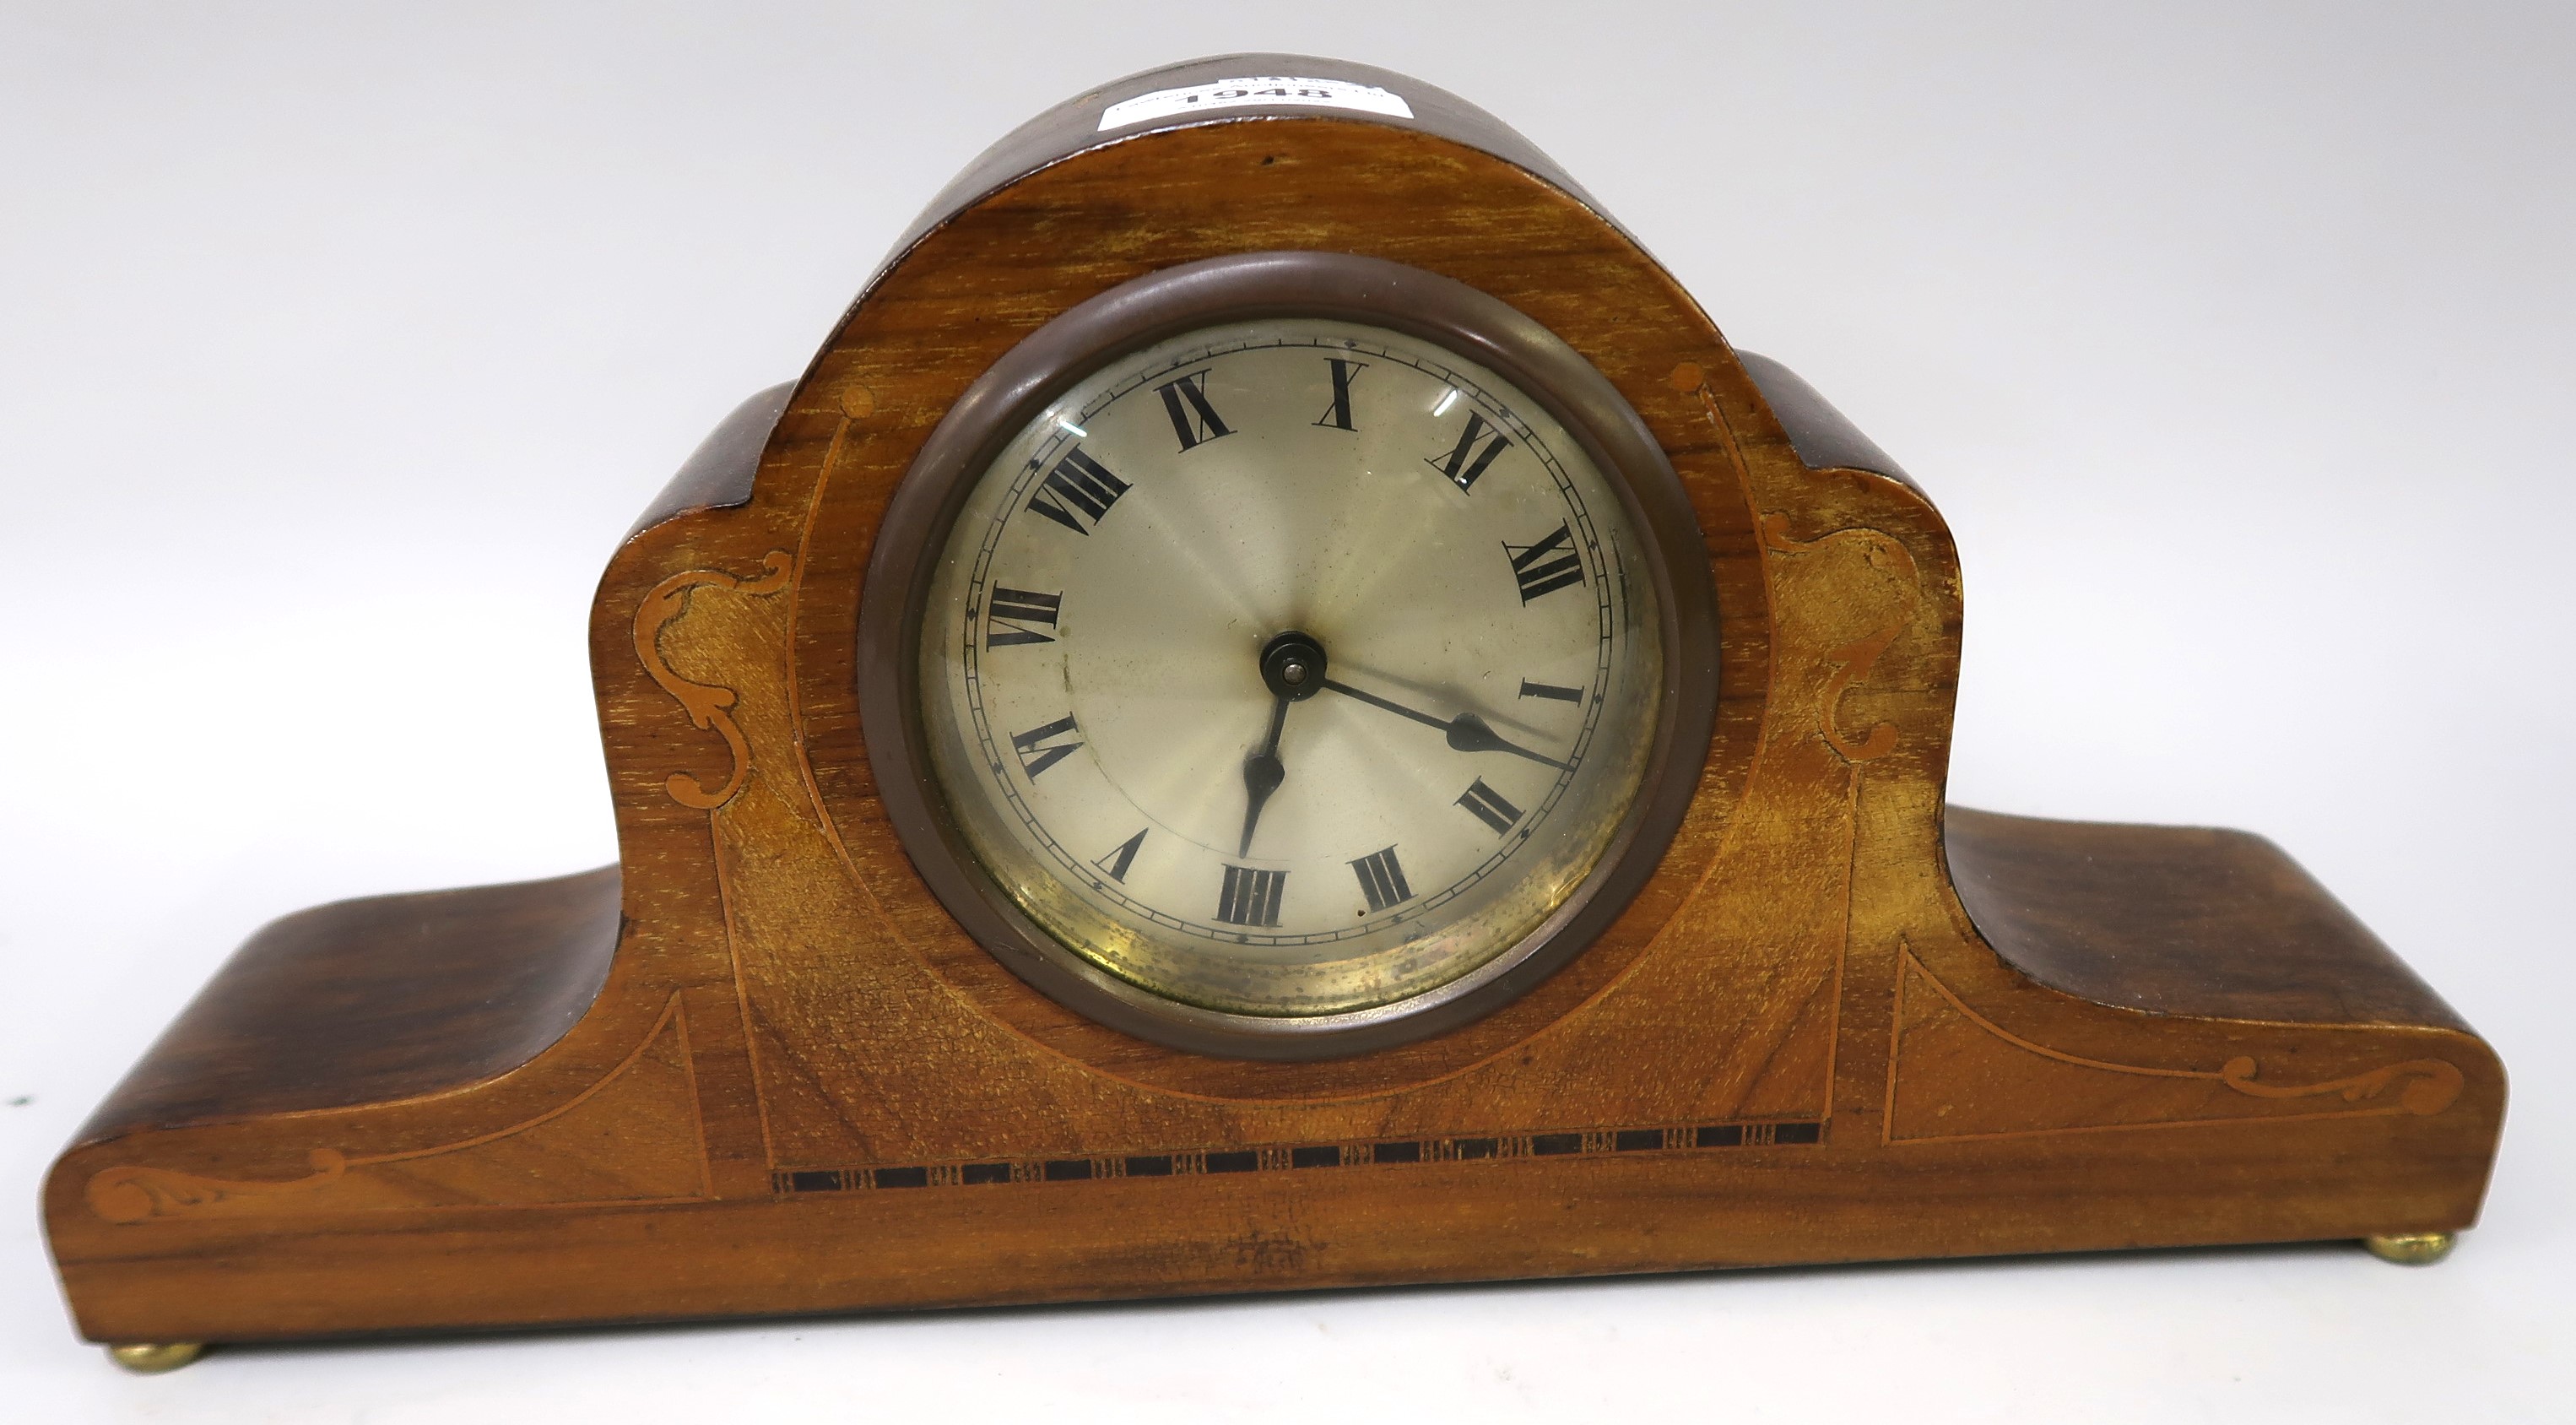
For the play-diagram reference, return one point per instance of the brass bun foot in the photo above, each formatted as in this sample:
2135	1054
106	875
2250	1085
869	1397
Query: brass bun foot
2411	1249
152	1360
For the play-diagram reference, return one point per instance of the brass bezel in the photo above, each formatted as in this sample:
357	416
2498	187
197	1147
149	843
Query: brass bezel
1153	308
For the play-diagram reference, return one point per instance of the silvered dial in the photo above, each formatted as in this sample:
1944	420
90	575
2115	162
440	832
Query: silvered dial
1291	667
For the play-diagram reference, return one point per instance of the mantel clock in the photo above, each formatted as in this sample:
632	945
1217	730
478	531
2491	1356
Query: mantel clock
1276	709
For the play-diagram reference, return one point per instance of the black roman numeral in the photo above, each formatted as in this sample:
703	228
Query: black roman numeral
1465	462
1250	897
1124	856
1338	414
1082	483
1035	757
1489	807
1009	613
1382	880
1193	419
1549	690
1547	566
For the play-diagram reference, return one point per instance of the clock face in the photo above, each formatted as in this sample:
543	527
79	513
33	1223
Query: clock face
1290	667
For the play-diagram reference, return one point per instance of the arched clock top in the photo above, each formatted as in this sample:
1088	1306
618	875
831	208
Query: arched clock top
1750	992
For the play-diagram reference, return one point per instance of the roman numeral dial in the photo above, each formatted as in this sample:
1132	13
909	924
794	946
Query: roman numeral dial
1547	566
1382	880
1477	448
1489	806
1185	400
1250	897
1269	667
1122	856
1338	414
1078	492
1043	747
1013	617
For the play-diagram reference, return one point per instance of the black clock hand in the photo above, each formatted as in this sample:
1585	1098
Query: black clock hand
1467	732
1290	664
1262	774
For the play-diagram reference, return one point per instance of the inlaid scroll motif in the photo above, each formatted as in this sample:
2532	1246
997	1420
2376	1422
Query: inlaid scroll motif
1853	661
133	1194
2430	1084
708	706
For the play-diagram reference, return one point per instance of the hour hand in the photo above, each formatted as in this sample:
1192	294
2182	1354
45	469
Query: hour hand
1467	732
1262	774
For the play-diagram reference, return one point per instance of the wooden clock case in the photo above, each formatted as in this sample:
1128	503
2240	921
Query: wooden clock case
757	1068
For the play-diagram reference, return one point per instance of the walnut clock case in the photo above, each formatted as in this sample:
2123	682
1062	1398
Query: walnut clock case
1277	709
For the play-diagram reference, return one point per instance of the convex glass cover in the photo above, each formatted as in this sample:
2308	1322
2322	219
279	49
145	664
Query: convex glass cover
1290	667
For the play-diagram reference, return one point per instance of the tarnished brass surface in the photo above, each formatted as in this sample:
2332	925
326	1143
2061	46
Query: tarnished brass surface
2412	1249
152	1359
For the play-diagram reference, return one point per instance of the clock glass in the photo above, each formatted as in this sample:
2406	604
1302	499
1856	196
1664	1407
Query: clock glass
1291	667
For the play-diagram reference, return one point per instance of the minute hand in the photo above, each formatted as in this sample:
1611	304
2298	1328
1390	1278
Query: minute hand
1467	732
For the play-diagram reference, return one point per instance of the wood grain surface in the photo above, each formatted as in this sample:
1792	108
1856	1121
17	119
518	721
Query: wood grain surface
796	1086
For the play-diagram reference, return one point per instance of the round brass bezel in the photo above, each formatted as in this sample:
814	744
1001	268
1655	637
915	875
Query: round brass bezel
1252	286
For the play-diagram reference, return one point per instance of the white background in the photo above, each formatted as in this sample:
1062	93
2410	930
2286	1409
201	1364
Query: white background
339	344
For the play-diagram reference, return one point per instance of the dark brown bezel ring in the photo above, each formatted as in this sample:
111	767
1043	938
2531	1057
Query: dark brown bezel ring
1251	286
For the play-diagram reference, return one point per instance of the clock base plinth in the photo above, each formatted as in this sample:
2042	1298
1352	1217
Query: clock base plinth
219	1220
